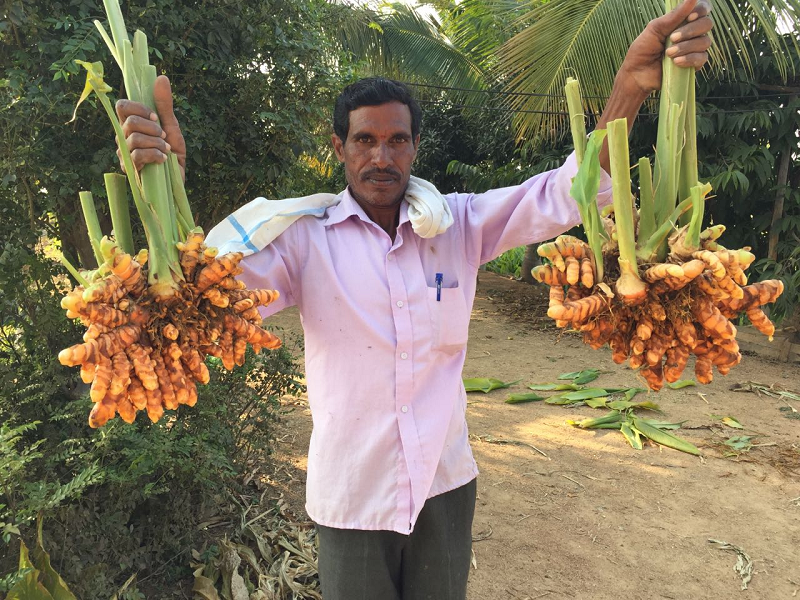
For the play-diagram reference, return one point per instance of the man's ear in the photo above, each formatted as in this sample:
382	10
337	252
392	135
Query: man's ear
416	142
338	147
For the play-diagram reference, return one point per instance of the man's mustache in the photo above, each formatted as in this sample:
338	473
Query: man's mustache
372	172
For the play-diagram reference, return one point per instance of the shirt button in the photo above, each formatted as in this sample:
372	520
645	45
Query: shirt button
404	408
404	355
400	303
390	257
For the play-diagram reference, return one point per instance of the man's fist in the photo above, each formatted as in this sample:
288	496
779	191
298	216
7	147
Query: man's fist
687	27
148	141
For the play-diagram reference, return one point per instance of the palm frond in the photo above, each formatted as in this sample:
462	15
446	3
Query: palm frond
588	39
403	43
479	27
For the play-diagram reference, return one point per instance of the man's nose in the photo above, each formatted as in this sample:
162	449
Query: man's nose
381	155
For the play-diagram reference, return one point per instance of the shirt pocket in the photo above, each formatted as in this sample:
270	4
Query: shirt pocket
449	319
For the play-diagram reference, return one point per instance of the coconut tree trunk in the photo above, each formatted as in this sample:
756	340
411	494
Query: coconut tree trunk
777	208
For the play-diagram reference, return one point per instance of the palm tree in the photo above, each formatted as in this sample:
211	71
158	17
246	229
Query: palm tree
527	50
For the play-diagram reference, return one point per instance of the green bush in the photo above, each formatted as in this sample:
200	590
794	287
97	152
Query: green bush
128	498
508	263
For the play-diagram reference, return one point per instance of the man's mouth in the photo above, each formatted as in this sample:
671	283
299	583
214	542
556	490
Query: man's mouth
380	179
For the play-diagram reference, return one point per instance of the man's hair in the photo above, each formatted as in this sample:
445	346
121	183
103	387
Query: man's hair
373	91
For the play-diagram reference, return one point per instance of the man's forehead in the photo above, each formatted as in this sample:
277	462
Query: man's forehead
394	116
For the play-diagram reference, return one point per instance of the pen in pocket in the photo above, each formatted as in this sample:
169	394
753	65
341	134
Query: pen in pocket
439	278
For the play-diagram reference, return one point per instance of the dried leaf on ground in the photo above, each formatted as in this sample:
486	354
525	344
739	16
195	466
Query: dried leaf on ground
743	566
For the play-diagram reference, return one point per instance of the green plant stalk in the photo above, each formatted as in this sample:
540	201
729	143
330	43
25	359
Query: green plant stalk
117	190
586	182
674	91
584	190
92	224
647	217
696	221
577	123
117	25
630	286
72	270
154	176
664	205
179	191
689	175
129	77
173	210
648	252
159	274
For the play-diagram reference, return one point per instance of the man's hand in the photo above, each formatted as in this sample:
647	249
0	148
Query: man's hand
687	27
146	139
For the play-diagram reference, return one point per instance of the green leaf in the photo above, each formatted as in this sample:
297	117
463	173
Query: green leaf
663	437
631	392
553	387
53	582
741	443
681	384
94	83
590	374
586	377
663	424
632	435
585	394
560	400
732	422
624	405
601	402
486	384
610	420
520	398
28	587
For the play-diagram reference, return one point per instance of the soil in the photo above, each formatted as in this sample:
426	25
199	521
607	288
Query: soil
570	513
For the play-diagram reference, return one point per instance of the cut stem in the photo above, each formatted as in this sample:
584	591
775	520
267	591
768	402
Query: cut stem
92	224
689	176
696	221
647	217
72	270
630	287
648	252
117	190
577	123
179	191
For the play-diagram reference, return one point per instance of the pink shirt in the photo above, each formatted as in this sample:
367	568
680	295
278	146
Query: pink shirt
384	351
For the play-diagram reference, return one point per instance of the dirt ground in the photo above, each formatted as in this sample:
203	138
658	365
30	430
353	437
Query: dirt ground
595	518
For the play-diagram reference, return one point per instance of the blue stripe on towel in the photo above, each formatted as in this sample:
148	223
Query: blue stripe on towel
245	236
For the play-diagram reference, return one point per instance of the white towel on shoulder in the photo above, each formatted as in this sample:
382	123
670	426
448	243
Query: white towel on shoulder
257	223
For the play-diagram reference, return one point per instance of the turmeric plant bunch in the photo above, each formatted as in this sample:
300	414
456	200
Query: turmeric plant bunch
651	282
153	316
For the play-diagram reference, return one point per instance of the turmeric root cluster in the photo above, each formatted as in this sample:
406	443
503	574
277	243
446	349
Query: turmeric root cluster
144	353
687	309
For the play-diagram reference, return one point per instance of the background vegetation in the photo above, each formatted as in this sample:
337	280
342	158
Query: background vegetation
254	85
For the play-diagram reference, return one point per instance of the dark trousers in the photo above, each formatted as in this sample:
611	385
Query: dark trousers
430	563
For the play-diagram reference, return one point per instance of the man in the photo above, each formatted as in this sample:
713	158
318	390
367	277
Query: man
385	310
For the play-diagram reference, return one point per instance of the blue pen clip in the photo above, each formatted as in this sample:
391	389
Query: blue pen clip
439	277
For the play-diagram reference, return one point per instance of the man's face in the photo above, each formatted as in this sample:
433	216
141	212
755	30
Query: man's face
378	153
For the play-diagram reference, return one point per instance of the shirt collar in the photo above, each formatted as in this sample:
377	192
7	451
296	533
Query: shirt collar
348	207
